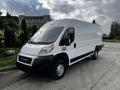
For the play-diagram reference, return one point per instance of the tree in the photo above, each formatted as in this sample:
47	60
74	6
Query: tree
24	33
10	26
1	23
115	30
8	15
10	40
0	13
94	21
34	29
1	28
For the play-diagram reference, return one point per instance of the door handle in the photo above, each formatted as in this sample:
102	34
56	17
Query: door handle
74	45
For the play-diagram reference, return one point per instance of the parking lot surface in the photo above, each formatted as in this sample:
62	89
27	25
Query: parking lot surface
101	74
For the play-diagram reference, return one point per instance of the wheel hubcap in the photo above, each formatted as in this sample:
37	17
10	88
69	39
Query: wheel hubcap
60	70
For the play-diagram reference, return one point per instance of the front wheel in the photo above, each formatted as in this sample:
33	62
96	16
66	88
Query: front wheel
58	70
95	55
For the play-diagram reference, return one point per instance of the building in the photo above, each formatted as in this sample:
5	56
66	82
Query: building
30	20
37	21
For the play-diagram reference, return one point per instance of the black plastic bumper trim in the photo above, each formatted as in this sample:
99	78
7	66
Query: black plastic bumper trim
81	56
41	63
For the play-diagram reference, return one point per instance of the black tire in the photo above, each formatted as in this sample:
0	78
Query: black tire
95	55
55	75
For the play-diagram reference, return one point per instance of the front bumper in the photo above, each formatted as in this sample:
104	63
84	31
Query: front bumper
42	63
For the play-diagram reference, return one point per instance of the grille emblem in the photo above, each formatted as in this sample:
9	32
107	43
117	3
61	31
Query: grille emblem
24	59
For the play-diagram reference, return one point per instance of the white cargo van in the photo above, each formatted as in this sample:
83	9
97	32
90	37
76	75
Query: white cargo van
59	44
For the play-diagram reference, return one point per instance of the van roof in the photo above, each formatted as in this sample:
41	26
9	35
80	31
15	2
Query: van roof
69	22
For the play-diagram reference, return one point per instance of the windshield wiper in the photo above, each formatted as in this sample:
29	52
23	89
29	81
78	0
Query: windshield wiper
31	42
42	42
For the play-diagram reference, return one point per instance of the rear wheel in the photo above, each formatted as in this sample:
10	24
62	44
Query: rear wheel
95	55
58	70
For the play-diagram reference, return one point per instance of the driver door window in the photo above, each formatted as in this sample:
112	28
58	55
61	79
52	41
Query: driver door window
68	37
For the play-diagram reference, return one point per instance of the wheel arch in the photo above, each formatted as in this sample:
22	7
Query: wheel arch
64	57
98	48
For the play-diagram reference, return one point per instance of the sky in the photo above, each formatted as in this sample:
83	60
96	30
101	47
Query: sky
103	11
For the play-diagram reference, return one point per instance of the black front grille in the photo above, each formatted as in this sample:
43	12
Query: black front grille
25	59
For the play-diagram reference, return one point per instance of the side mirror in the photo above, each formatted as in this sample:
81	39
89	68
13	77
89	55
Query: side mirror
65	41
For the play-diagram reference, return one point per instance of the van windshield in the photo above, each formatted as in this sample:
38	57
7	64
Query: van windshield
46	35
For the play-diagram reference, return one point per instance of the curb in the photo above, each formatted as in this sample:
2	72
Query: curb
8	68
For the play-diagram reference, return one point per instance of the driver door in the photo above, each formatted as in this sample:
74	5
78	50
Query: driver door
67	42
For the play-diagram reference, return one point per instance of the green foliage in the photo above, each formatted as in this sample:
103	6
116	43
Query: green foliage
10	23
16	49
112	40
10	60
23	25
10	40
115	30
8	16
10	27
0	12
32	30
24	33
7	61
1	22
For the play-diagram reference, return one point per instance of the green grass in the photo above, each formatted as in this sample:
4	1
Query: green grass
7	61
112	40
10	60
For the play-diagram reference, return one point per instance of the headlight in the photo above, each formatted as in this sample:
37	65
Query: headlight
46	49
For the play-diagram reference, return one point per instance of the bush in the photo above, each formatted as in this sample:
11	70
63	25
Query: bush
10	40
107	38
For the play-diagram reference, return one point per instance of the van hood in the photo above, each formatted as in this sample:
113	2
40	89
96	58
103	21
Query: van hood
31	49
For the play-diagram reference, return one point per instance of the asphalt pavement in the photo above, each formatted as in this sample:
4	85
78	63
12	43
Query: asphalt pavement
101	74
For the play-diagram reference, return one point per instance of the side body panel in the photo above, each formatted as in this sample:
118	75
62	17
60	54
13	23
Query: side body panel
87	37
